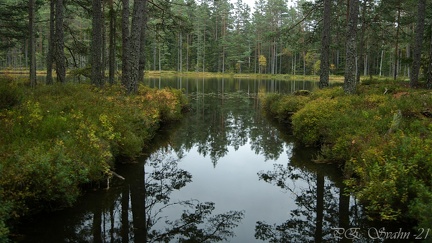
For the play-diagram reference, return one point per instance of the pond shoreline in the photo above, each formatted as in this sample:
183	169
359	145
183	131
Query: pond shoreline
58	138
380	136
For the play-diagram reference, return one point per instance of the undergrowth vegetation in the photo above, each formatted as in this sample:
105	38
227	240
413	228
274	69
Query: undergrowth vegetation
382	136
56	138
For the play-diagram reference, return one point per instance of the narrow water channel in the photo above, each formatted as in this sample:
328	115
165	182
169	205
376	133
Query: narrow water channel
224	173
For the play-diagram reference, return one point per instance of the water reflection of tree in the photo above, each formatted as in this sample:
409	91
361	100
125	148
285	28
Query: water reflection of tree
196	222
140	210
322	205
218	121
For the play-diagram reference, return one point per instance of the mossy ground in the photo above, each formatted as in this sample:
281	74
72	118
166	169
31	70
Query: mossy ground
382	137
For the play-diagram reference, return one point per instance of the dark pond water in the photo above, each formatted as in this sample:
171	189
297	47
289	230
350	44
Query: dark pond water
224	173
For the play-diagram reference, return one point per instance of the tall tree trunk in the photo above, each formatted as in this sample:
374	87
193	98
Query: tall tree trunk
421	12
350	61
112	33
181	52
96	45
49	57
133	53
381	63
142	57
187	53
362	41
325	46
32	42
429	72
396	54
60	58
125	42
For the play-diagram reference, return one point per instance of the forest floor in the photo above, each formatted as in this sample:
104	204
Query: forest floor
381	137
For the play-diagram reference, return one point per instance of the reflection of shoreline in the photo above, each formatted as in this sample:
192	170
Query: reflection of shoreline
230	85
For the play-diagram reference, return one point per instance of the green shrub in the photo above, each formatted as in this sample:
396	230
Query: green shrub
392	173
283	106
310	124
383	135
10	94
63	136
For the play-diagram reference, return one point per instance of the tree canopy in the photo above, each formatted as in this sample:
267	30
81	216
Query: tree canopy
223	36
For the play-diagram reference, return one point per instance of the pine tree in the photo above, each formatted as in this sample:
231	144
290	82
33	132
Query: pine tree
351	54
60	58
96	45
325	46
421	12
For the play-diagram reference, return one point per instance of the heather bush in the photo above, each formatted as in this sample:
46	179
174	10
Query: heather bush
383	138
62	136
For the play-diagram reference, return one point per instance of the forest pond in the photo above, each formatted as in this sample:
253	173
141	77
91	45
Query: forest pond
224	173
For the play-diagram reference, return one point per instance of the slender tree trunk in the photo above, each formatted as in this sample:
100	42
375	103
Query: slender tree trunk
125	42
350	62
96	45
142	57
381	63
421	12
304	63
187	53
295	64
180	52
159	59
325	46
60	58
429	72
32	42
396	54
362	41
365	65
204	48
112	33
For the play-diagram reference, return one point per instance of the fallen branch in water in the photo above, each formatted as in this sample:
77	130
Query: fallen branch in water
117	175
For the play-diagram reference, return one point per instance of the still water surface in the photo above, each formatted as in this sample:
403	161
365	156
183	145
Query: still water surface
224	173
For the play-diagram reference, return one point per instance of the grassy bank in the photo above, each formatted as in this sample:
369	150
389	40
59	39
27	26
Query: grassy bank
334	79
153	74
381	136
54	139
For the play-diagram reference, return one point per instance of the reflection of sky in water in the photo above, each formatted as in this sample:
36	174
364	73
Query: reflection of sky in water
234	185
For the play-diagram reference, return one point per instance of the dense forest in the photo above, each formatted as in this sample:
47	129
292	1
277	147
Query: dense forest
386	38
